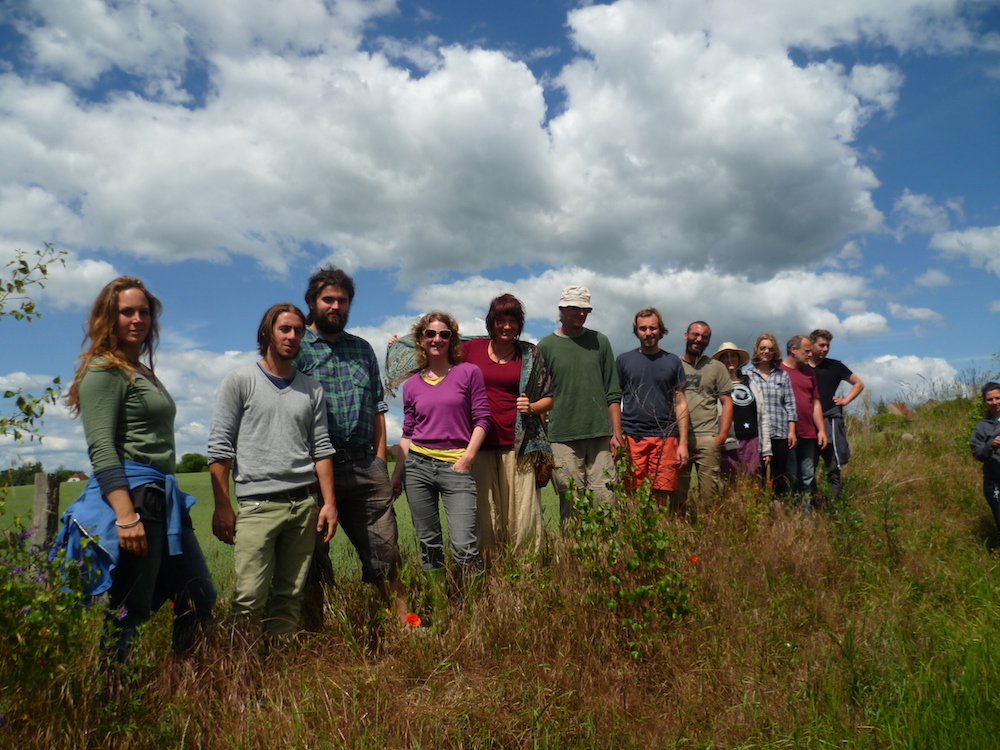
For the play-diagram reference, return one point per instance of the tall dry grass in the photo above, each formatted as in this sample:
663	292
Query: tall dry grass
872	623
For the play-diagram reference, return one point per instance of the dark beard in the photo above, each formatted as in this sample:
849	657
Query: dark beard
328	327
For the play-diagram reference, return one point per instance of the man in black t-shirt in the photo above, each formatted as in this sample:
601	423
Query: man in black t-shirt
830	373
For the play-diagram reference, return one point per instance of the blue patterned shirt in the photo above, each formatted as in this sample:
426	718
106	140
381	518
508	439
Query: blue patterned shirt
348	370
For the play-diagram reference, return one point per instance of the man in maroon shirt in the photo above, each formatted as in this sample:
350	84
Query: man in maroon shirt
810	431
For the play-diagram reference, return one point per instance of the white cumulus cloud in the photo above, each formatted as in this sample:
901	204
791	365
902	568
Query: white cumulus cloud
979	245
933	277
908	378
902	312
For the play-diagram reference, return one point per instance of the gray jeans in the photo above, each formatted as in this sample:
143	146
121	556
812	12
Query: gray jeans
427	480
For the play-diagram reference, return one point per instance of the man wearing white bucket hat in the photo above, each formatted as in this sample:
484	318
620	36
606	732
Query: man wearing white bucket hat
585	425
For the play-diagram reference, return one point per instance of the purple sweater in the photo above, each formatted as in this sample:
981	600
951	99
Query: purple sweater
444	415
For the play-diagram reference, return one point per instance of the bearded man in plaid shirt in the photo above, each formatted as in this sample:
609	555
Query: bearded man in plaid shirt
346	366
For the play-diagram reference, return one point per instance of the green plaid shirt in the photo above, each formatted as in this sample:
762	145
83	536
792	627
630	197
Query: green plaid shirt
349	373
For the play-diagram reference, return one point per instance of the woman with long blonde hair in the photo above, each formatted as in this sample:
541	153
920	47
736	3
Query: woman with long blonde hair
142	544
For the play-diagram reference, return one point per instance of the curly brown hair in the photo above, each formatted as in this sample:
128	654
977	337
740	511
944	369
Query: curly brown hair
454	344
104	344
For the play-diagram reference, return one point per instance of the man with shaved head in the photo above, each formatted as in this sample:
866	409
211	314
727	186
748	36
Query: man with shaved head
810	429
710	409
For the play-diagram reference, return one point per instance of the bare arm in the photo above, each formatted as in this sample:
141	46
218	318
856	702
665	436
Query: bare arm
224	517
820	424
725	420
327	522
133	538
617	438
683	425
856	387
379	437
397	472
541	406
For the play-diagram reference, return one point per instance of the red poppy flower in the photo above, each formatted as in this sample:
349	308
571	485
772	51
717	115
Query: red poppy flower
413	620
693	558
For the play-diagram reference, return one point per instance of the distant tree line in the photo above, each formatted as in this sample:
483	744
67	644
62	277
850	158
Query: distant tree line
190	463
25	474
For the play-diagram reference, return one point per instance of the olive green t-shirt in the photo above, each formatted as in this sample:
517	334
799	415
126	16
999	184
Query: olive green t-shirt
707	379
126	421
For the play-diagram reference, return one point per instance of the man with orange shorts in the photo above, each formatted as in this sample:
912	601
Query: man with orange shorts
654	409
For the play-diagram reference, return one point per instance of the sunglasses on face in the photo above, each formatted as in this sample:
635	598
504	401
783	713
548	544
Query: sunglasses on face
443	335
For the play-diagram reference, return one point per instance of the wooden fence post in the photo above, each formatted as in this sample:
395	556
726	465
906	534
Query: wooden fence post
45	515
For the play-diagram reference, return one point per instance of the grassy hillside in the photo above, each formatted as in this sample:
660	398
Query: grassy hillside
871	624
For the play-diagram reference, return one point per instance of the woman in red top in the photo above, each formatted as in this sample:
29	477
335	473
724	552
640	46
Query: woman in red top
520	391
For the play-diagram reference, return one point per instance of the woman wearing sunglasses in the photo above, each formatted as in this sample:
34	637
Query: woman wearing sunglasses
446	415
779	401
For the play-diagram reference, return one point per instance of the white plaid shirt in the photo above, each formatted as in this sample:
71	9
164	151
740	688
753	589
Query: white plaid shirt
779	399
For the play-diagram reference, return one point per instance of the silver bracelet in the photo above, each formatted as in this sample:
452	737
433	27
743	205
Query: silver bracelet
130	524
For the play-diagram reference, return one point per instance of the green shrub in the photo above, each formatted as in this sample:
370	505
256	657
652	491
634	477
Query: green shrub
632	565
43	626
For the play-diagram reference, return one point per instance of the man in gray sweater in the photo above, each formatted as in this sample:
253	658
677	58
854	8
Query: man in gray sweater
269	429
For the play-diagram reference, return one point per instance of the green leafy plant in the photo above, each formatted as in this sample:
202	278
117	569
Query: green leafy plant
27	270
42	622
631	562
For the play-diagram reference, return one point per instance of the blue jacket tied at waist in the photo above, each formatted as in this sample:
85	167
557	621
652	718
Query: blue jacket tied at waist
89	534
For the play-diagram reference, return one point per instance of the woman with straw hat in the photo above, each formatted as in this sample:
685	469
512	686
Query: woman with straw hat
748	449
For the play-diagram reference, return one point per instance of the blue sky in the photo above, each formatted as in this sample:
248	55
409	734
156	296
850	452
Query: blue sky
775	165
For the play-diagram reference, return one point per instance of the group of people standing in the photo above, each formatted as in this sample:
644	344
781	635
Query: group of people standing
472	409
301	432
487	421
733	413
677	415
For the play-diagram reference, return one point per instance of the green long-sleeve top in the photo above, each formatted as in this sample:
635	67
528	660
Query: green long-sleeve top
126	421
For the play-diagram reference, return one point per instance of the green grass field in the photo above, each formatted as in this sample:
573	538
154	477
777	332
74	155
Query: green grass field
219	555
872	623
